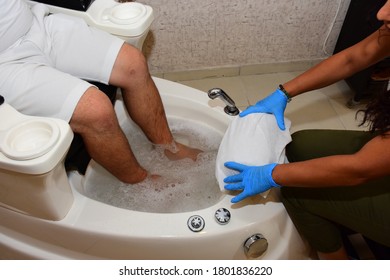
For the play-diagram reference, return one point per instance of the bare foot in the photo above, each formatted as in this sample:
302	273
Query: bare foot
179	151
135	177
142	179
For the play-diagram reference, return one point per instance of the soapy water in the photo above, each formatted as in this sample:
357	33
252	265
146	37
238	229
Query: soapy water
181	186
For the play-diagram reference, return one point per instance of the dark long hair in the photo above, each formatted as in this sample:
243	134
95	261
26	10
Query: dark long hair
377	113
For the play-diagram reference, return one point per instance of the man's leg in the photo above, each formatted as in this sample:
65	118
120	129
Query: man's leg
143	102
95	120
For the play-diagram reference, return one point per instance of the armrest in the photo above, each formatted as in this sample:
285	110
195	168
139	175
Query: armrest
99	15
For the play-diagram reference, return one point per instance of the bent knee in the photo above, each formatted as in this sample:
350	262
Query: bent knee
130	65
94	112
132	55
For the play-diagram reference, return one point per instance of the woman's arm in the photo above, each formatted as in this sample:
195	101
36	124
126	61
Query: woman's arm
343	64
371	162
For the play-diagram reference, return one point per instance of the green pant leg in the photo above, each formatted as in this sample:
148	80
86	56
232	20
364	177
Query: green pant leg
315	143
317	212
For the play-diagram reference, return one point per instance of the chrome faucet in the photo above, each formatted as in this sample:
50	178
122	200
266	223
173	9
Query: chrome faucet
230	108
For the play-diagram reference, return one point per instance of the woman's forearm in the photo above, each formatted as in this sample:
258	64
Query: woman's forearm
370	162
321	75
342	65
322	172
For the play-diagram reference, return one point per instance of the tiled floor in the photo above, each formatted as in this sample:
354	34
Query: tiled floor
324	108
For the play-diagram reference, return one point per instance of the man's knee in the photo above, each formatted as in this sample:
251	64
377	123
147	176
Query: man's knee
94	112
130	65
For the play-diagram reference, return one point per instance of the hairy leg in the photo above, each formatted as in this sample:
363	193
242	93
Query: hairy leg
143	102
95	120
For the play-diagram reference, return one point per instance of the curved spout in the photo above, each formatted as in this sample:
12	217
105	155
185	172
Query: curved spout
230	108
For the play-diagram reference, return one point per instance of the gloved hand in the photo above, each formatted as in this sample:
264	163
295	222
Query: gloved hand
251	179
274	104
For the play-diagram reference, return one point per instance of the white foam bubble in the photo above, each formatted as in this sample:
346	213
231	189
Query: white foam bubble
181	186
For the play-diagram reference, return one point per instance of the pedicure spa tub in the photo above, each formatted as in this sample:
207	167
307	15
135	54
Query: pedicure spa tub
182	215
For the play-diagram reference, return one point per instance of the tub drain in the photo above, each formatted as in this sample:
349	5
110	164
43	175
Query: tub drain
196	223
222	215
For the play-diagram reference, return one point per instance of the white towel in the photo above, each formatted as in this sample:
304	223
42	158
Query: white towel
252	140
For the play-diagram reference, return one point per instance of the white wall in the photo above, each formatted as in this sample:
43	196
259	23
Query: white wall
207	34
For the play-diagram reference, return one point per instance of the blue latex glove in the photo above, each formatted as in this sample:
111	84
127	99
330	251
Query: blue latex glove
274	104
251	179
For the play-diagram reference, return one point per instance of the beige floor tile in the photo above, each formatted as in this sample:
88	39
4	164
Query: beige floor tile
347	115
312	111
260	86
